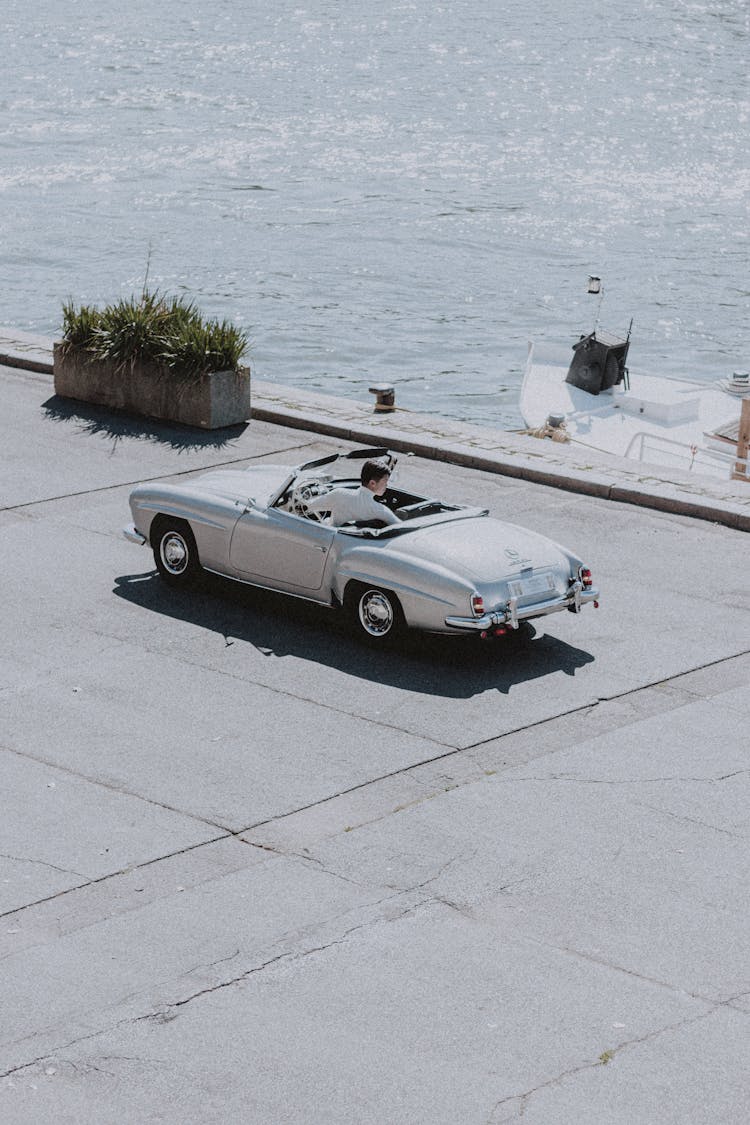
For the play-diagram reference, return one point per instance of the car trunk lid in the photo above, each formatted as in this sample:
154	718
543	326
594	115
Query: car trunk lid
482	549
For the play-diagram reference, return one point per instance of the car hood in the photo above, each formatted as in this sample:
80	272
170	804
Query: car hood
480	549
258	483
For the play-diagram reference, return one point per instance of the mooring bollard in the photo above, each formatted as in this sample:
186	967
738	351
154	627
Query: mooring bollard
385	397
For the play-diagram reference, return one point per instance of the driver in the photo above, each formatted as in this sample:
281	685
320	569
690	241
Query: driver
346	504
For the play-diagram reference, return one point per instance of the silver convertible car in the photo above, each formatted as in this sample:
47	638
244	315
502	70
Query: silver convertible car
442	567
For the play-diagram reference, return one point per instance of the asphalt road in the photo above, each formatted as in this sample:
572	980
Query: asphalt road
251	871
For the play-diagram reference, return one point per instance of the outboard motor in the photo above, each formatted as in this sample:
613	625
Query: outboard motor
598	362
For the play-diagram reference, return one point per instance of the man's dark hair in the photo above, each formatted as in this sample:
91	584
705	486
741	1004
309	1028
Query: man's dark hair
373	470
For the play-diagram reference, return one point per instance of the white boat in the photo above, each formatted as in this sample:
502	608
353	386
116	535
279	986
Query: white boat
591	398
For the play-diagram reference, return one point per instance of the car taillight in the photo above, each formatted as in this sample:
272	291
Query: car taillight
585	574
477	605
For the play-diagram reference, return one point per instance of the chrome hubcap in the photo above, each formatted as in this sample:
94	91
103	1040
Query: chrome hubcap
174	553
376	613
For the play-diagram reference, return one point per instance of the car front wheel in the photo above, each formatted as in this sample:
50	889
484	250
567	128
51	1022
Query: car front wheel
375	614
175	552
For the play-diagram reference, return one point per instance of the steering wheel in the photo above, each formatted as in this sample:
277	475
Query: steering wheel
304	492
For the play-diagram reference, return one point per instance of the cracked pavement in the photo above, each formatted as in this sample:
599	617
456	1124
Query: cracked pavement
251	871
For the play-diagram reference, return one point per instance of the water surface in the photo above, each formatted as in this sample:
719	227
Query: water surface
403	191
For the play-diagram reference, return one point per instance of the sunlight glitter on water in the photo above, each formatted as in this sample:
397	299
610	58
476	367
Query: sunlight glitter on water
406	193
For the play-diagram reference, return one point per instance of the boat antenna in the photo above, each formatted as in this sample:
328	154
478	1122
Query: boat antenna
596	288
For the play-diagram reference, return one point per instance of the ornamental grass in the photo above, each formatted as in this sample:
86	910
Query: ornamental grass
169	332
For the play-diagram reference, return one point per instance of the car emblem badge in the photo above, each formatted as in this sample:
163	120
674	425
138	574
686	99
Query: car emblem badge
515	556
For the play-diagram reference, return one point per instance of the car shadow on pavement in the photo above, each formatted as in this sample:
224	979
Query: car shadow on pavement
112	424
276	626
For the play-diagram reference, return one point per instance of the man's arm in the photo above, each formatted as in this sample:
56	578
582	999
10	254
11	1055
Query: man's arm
324	503
319	503
383	512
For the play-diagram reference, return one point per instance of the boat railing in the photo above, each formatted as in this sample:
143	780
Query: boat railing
696	456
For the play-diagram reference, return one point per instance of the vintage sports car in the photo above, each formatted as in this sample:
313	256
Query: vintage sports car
445	568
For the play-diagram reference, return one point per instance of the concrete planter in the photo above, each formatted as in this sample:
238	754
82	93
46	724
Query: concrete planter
221	398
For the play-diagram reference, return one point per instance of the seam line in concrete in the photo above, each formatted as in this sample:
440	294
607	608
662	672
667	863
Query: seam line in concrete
115	874
147	480
616	698
110	787
284	693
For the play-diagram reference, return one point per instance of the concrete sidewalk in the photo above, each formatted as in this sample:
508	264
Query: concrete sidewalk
570	467
251	871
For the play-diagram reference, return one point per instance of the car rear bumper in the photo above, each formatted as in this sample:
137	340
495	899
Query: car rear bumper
511	614
132	533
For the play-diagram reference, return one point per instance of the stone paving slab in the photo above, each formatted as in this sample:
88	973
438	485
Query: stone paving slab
240	760
214	927
83	831
126	891
620	720
25	350
635	1084
359	1025
624	880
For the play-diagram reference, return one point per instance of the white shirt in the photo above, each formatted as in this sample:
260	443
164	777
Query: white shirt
347	504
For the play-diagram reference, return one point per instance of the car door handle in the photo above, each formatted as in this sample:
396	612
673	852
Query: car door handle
323	549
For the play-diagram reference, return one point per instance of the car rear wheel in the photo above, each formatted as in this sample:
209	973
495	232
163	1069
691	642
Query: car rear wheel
375	614
175	551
